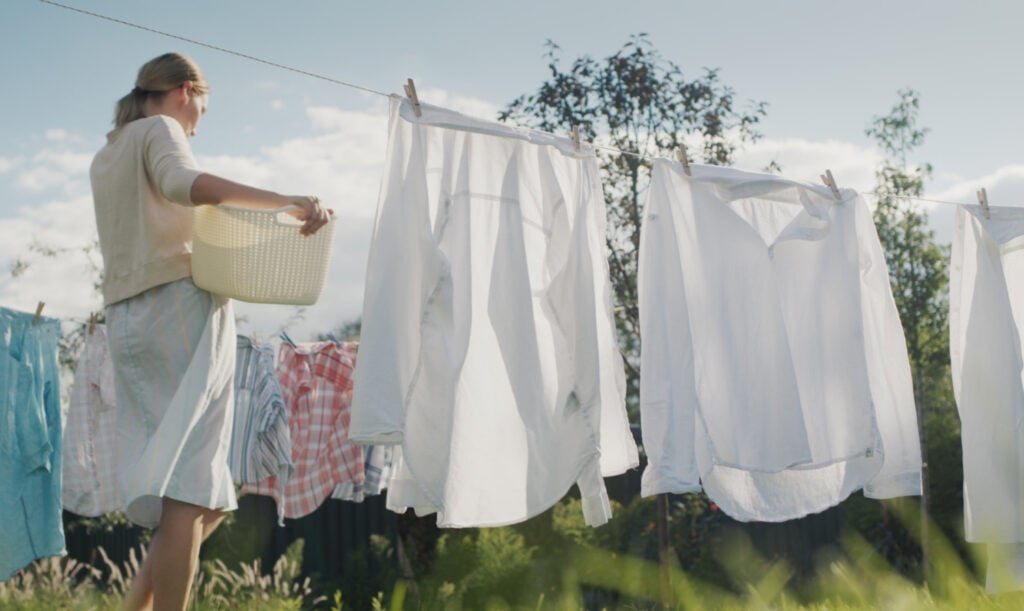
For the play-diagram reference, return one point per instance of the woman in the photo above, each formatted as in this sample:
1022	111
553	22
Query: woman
172	344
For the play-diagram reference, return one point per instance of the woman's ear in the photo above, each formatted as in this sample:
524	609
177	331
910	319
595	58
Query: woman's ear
186	91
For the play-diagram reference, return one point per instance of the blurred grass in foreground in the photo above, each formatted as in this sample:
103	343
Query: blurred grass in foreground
495	569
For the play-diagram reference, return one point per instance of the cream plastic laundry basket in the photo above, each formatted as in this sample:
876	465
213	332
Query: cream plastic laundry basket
259	255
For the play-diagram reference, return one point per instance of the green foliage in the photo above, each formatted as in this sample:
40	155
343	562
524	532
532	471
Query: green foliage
917	264
639	102
568	523
489	563
694	530
348	331
366	572
106	523
917	271
945	463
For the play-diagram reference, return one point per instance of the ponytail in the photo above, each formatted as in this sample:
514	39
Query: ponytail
155	79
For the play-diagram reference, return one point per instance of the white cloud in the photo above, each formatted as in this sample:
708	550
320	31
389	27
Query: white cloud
63	281
330	118
852	165
55	135
65	161
50	169
8	163
1004	187
61	135
277	104
250	170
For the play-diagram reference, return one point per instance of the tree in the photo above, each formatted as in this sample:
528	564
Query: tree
917	264
640	103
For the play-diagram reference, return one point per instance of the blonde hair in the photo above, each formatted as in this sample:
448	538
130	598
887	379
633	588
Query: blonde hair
156	77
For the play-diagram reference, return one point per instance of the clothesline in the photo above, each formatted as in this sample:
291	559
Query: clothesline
877	194
881	194
215	48
381	93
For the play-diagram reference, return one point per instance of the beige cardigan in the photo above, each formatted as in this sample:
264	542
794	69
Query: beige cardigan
141	187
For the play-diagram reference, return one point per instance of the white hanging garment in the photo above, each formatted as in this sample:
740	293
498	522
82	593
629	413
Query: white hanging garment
986	318
774	368
90	477
488	349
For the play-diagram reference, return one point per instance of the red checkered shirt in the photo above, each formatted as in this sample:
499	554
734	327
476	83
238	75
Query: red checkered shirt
316	381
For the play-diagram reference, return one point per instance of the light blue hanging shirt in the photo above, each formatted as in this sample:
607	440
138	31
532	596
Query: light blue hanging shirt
30	441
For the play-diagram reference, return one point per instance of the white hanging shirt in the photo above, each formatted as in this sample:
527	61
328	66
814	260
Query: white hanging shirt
488	349
774	368
986	319
91	466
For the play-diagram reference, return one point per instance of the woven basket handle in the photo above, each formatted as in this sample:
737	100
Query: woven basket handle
281	216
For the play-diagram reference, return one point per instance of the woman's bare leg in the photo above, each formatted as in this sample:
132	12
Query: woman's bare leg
165	577
139	596
211	520
176	554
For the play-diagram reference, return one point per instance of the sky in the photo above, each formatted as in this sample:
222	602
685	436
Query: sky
825	70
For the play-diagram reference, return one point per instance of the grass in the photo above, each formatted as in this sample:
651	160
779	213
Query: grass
494	569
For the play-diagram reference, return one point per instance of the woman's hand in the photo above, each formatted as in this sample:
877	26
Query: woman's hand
311	211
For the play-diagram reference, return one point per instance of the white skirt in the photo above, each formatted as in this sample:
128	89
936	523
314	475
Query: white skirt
173	349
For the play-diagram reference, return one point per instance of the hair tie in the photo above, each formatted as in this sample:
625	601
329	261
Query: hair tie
139	91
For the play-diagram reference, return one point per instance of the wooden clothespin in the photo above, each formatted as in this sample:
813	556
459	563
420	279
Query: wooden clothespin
574	135
681	156
92	322
39	312
830	182
983	200
410	91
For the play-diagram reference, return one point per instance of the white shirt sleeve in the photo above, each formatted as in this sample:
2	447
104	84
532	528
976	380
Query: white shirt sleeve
403	271
889	373
668	394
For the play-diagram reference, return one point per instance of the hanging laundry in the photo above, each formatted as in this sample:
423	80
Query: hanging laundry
775	371
261	444
91	483
986	320
316	382
30	441
488	349
376	471
376	460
